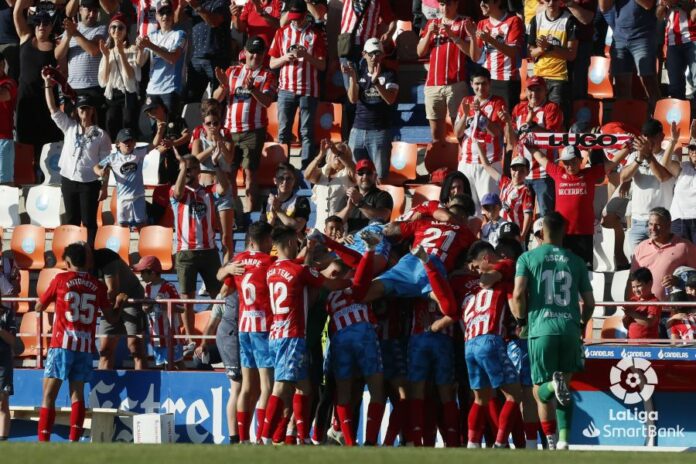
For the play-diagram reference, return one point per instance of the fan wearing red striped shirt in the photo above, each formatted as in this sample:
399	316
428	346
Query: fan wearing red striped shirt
299	51
78	299
500	40
248	90
480	130
680	38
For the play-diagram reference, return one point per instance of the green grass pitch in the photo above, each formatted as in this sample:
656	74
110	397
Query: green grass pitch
211	454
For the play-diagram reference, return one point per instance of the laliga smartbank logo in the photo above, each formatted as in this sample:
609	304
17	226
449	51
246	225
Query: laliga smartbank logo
633	381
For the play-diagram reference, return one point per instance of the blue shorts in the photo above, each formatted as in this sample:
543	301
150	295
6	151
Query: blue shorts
255	351
393	358
407	279
518	352
160	354
355	346
7	158
637	54
488	363
289	359
223	202
431	357
73	366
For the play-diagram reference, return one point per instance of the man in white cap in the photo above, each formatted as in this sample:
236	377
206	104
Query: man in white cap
373	90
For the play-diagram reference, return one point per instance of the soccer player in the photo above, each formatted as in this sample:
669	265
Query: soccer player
548	280
78	297
255	319
287	283
8	331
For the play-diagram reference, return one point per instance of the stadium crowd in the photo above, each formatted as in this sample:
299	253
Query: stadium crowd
464	311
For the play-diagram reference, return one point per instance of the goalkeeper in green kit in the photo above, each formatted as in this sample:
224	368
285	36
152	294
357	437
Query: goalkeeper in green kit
548	281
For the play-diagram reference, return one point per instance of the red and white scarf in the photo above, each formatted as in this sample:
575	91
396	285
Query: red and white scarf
553	140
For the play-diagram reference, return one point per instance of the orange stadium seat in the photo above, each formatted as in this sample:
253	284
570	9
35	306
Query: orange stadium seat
157	241
45	277
28	327
586	110
200	321
523	79
399	197
631	112
445	155
64	236
613	327
28	244
24	173
589	330
23	306
423	193
272	131
115	238
402	165
599	82
669	110
273	154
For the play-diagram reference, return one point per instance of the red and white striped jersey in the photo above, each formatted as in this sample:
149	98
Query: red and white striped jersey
516	200
244	112
680	28
476	133
78	298
427	208
147	19
194	218
346	311
683	329
287	283
377	11
447	61
483	310
425	312
444	240
160	326
255	313
300	77
550	117
509	31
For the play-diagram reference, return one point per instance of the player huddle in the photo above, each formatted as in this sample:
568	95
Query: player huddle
450	316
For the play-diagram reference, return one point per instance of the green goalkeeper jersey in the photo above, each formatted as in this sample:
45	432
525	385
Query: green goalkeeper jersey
555	279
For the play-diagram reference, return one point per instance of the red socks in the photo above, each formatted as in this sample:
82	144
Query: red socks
274	411
549	427
345	418
281	430
46	419
395	422
77	419
531	429
450	415
477	421
260	417
416	422
300	407
243	424
375	411
442	290
506	420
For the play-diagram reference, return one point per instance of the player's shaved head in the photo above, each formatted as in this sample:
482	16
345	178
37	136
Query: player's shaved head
479	248
554	225
259	231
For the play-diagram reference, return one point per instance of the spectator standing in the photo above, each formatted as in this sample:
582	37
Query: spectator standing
165	49
584	12
84	146
299	50
500	45
652	183
680	38
537	114
80	44
634	46
210	45
8	331
448	41
120	279
8	101
9	41
285	207
317	10
642	321
480	129
248	90
575	191
552	45
332	180
194	217
119	75
683	208
171	133
374	92
663	252
256	18
146	11
366	202
36	50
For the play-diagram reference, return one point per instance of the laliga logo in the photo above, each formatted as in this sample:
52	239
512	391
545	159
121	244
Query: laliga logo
638	375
